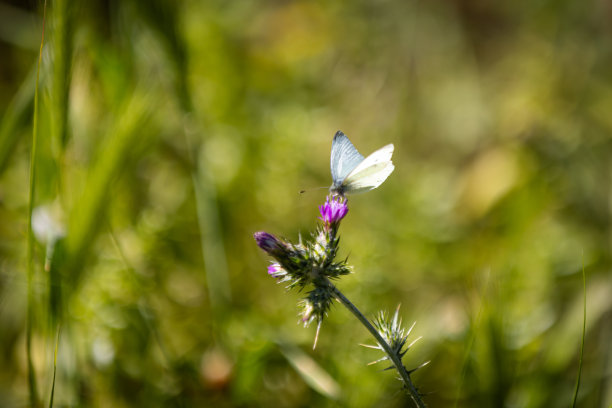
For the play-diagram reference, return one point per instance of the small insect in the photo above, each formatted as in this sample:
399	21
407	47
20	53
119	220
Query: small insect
352	173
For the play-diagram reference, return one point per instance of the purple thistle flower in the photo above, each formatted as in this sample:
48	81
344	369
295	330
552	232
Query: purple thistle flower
333	210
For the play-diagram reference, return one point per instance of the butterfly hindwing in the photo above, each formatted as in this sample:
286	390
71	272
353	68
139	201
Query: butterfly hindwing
371	172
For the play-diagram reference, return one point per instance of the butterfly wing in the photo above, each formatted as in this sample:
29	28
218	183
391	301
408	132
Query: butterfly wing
371	172
344	158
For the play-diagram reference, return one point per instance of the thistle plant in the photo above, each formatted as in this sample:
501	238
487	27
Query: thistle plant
312	265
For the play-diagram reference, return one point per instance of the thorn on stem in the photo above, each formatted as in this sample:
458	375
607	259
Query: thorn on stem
317	335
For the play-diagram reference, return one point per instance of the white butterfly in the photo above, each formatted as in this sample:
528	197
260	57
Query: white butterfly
351	173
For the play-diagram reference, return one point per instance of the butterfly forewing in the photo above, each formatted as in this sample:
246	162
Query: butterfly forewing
344	158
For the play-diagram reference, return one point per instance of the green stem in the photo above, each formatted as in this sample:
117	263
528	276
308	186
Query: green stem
397	362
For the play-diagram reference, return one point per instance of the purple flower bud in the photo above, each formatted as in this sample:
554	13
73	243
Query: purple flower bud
333	210
268	242
276	271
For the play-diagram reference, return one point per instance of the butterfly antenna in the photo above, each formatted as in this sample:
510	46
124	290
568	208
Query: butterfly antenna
310	189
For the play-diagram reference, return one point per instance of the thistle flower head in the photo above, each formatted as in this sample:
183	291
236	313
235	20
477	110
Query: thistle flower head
395	335
310	263
334	210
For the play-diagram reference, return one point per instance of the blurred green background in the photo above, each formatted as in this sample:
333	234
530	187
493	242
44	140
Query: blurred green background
170	131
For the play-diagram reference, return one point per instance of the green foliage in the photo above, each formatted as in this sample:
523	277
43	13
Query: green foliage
169	132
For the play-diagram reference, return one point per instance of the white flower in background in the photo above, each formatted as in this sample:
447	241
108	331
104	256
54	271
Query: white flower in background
46	223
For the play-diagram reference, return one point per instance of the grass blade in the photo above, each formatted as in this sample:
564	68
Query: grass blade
62	62
30	235
583	337
54	367
16	115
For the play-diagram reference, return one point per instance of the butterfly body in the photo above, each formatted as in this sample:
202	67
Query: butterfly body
351	172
